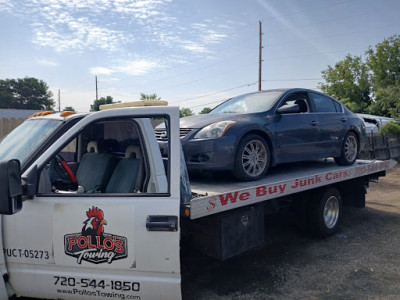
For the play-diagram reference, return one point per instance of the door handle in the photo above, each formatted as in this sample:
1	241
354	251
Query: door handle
343	120
162	223
313	123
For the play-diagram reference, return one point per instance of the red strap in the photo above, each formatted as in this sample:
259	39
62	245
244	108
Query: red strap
69	171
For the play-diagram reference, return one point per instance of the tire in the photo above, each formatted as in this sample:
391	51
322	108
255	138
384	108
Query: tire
325	212
252	158
349	150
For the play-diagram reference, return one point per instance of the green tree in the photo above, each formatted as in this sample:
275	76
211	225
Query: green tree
348	81
185	112
68	108
205	110
96	103
387	102
372	86
384	63
26	93
149	97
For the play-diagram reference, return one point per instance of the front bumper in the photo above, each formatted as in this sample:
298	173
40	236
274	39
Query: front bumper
207	154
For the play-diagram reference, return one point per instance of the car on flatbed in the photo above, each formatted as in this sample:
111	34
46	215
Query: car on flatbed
249	133
90	208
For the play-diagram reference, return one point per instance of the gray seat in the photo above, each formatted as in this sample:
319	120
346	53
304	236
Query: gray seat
126	174
95	168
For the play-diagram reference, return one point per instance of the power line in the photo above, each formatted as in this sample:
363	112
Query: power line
208	77
211	94
241	86
303	79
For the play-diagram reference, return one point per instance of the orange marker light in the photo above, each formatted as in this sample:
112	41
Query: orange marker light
48	113
66	113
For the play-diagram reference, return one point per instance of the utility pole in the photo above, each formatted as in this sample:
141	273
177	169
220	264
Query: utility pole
59	100
97	98
259	57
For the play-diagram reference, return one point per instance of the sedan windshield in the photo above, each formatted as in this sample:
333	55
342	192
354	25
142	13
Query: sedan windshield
24	140
249	103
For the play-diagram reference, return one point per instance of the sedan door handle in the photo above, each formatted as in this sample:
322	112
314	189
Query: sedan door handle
313	123
343	120
162	223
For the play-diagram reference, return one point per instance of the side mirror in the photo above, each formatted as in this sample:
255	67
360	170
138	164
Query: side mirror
288	109
10	187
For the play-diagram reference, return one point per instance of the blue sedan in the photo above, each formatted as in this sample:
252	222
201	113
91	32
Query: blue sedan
249	133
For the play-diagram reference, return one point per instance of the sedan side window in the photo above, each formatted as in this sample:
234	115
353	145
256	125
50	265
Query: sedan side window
323	104
300	99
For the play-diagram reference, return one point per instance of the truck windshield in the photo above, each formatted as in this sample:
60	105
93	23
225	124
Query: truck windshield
24	140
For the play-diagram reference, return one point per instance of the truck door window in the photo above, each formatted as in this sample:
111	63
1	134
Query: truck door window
112	156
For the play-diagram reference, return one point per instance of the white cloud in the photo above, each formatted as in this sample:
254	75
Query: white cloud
116	26
193	47
101	71
6	5
136	67
46	62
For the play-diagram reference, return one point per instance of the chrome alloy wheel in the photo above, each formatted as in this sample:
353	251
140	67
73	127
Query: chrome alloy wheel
254	158
350	148
331	212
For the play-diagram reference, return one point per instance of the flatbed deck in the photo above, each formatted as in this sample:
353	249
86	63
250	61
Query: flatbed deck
219	194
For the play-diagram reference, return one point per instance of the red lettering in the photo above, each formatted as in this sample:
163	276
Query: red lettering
98	243
110	242
90	242
244	196
82	242
119	246
228	197
261	191
71	242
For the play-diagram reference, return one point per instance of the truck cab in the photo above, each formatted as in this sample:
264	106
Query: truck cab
97	212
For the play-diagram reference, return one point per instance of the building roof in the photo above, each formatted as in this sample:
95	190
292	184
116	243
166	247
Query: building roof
16	113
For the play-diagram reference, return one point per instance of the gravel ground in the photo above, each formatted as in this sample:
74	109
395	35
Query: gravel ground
362	261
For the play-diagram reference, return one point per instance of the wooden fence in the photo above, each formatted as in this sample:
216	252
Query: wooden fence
380	146
7	125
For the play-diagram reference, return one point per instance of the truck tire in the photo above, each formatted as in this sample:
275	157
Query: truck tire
325	212
349	150
252	158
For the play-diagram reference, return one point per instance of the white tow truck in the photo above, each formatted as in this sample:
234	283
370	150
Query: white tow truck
91	209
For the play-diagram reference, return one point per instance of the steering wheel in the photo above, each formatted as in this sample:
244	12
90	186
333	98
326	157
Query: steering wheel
62	176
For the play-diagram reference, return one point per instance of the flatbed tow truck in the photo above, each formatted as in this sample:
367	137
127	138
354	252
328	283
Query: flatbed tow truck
91	209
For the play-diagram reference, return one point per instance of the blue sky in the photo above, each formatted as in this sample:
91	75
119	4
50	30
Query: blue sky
190	53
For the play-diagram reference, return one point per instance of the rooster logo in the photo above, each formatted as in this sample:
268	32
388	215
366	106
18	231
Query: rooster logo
92	244
94	223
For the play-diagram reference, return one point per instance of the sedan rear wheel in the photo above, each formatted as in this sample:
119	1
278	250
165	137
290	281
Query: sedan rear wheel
349	150
252	158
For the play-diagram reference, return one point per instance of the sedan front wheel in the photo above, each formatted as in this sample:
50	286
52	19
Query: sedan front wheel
252	158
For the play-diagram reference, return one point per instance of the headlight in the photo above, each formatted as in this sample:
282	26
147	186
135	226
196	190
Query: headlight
214	131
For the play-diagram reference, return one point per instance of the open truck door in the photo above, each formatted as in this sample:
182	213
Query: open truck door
103	220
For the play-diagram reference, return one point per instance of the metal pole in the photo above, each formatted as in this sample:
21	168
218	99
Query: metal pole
97	98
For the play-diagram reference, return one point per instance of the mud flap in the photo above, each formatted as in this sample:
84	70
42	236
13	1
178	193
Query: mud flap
353	192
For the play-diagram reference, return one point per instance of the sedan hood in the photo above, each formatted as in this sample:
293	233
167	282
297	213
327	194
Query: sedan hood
202	120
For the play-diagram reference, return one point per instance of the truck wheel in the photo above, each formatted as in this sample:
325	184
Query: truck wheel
349	150
325	210
252	158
